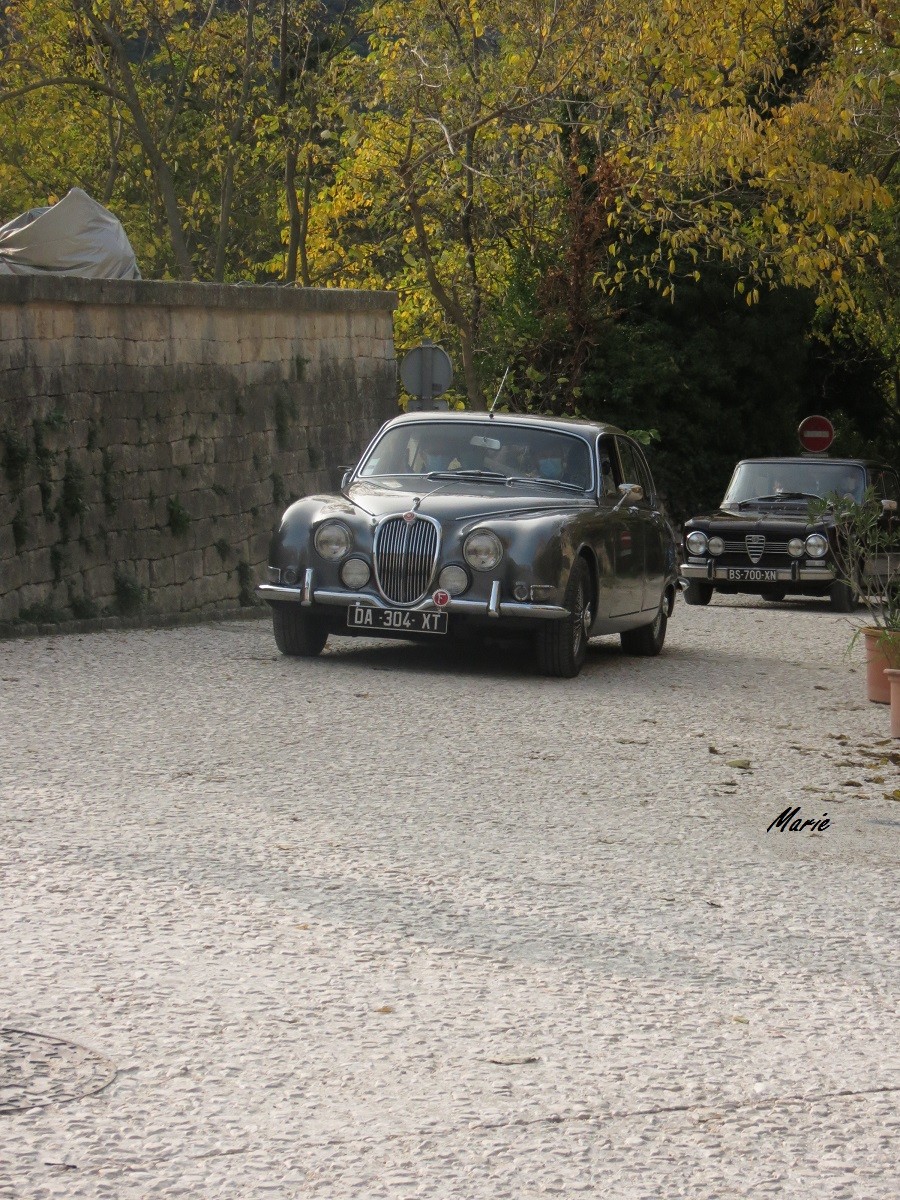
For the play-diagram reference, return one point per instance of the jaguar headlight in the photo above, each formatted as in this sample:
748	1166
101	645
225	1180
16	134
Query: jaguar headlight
453	579
796	547
716	545
816	545
696	542
482	550
333	540
355	573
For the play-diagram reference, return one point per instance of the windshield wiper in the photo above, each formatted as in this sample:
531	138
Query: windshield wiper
489	476
558	483
776	496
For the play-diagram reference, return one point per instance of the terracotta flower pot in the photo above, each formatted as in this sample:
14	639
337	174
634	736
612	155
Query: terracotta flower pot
892	675
882	652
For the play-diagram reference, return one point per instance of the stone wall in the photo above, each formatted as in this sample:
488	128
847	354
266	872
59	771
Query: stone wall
152	433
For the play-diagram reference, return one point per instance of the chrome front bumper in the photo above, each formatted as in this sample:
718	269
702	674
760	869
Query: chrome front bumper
711	573
307	594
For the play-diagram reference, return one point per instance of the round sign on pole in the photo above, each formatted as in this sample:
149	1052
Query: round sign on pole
426	371
816	434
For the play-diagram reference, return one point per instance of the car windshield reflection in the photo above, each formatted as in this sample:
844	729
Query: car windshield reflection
464	450
774	482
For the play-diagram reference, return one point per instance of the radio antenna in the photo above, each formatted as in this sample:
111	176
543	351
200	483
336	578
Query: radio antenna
499	390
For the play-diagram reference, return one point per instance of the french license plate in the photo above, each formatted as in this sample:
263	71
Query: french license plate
361	616
752	575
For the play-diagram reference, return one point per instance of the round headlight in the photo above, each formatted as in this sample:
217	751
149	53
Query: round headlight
482	550
796	547
333	540
716	545
355	573
453	580
696	542
816	545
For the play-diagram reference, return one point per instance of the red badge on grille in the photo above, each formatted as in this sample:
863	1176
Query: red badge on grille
409	517
441	598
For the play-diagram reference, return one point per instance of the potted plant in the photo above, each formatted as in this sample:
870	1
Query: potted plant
867	561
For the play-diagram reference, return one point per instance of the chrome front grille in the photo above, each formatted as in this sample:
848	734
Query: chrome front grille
405	558
768	548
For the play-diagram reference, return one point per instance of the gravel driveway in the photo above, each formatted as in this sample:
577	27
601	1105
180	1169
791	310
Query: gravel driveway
400	923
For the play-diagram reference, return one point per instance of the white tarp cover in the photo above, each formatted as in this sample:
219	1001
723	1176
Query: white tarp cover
76	236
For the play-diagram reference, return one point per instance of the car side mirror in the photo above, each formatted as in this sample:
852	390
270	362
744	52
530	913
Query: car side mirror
889	506
629	491
345	478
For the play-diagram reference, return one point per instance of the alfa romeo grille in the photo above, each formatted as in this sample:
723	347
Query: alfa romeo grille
768	547
756	543
405	558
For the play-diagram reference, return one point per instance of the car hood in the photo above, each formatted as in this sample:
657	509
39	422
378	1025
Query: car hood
750	519
462	500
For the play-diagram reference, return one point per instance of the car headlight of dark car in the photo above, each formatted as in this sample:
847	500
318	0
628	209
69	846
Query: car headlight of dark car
817	545
796	547
454	579
716	545
333	540
355	573
696	542
482	550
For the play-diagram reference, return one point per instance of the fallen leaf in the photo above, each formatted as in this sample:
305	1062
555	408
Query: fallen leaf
895	795
851	783
741	1020
385	1008
512	1062
874	779
742	763
713	750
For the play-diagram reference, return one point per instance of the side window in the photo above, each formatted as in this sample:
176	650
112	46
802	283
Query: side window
633	467
606	456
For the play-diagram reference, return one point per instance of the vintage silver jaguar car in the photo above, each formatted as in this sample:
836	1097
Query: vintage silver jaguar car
468	523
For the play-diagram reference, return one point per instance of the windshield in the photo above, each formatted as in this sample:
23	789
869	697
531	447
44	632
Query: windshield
475	450
775	481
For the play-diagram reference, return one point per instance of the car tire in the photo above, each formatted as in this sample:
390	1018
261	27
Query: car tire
297	633
843	598
648	640
698	593
562	645
774	594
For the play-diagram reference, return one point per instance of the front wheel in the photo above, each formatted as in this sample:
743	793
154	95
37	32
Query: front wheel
843	598
562	645
648	640
296	632
697	593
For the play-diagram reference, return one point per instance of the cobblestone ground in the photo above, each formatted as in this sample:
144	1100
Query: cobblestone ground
399	922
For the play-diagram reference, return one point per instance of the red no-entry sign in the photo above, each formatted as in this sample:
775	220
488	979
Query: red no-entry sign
816	434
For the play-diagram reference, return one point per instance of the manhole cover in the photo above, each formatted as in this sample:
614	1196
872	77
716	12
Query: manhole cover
36	1070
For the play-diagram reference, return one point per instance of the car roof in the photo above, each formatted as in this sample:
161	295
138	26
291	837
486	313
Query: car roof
811	458
557	424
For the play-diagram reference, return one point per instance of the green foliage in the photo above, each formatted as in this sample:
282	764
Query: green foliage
16	454
129	593
868	553
71	503
179	519
246	595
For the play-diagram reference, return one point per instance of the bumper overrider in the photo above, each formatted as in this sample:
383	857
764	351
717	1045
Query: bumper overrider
309	595
711	572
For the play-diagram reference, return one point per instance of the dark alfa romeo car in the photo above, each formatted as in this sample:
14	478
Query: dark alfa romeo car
457	523
760	539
